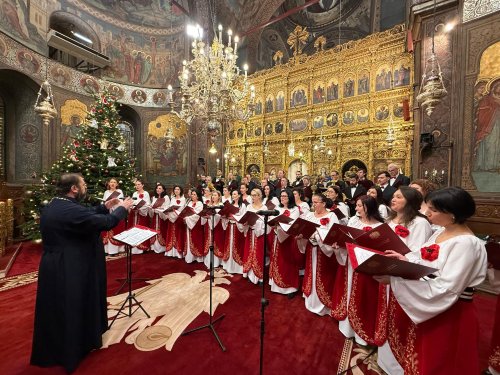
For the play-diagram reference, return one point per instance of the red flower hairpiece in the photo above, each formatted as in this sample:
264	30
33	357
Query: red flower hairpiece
367	229
324	221
402	231
430	252
141	196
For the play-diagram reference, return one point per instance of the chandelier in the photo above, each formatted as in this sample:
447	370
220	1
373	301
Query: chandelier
214	92
432	89
44	105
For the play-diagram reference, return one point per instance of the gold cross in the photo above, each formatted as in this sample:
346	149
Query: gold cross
297	39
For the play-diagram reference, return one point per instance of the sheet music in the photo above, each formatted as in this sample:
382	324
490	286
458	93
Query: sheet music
362	254
134	236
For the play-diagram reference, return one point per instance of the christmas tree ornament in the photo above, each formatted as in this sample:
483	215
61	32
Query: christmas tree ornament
93	123
104	144
121	147
111	162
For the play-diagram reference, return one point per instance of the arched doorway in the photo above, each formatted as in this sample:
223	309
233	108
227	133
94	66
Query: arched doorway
351	167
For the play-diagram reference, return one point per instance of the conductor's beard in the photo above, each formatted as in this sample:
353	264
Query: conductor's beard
81	195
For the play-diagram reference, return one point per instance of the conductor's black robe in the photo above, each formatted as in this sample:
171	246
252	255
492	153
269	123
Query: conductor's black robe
71	312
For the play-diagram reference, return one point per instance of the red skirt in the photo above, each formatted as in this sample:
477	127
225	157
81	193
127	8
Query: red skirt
196	240
368	309
339	296
108	236
494	360
219	237
161	226
326	269
253	253
176	236
284	267
446	344
238	240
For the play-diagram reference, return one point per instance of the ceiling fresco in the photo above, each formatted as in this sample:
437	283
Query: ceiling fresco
146	39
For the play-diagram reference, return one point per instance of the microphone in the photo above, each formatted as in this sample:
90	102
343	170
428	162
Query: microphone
268	212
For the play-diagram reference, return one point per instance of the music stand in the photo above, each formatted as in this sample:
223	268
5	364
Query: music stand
131	237
211	321
126	280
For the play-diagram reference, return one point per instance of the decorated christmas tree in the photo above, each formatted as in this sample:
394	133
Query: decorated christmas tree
98	152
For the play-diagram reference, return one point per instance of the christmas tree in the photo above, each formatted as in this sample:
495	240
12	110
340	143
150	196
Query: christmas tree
98	152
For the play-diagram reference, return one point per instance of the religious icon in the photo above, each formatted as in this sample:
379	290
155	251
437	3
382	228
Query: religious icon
89	85
269	129
278	127
349	87
258	107
402	74
383	78
280	101
382	112
159	98
269	104
116	90
298	98
348	117
364	82
318	122
319	93
298	125
332	119
240	133
363	115
59	75
138	96
332	90
258	131
28	62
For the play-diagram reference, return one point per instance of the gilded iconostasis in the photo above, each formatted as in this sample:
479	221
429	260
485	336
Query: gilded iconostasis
326	110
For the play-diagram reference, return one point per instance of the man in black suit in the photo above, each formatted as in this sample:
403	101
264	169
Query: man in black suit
336	180
387	190
298	181
352	192
363	180
231	182
397	179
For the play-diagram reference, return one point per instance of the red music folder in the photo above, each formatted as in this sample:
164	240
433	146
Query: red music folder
300	226
207	212
171	209
158	203
339	234
280	219
339	213
374	262
249	218
493	251
382	238
113	195
139	204
187	211
229	210
270	205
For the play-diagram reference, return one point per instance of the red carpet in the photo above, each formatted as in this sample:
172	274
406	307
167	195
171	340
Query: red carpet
296	341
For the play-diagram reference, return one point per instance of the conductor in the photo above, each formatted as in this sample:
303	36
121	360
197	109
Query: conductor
71	312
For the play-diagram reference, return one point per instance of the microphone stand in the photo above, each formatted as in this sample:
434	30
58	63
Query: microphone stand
263	301
211	321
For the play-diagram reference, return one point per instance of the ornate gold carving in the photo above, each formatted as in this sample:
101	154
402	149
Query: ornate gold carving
162	124
298	39
320	43
333	94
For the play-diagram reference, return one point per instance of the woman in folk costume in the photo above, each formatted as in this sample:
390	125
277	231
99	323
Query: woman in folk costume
433	327
176	229
285	256
207	196
140	216
333	192
298	196
159	221
218	231
112	246
253	251
226	195
356	305
247	199
234	241
194	232
414	230
376	192
321	267
269	195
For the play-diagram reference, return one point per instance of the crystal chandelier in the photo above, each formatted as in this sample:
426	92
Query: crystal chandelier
213	90
432	89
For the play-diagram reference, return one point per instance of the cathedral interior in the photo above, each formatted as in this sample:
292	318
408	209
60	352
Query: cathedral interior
336	85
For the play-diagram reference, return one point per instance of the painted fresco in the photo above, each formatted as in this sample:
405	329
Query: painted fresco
383	78
332	90
349	86
364	82
401	74
298	97
319	93
280	101
269	104
164	160
140	54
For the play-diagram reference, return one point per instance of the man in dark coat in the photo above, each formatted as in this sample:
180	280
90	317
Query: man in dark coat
387	190
71	312
352	192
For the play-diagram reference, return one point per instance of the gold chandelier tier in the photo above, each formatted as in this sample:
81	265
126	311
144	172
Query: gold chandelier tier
213	89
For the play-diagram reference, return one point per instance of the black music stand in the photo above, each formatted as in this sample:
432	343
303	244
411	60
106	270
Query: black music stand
131	300
211	321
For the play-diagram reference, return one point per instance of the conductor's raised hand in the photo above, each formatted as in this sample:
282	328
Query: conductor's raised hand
111	203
